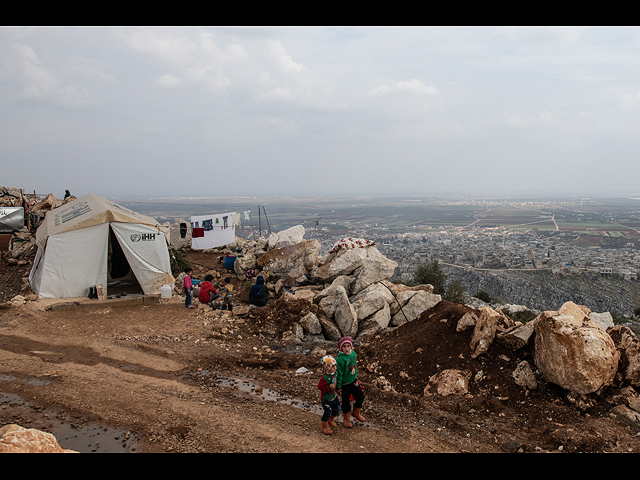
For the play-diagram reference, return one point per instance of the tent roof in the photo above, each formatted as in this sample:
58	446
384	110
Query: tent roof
86	212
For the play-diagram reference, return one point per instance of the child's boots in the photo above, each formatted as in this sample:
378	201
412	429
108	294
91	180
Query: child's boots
346	420
357	415
325	428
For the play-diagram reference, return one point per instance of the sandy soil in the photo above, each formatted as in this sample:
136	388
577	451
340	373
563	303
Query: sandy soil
202	380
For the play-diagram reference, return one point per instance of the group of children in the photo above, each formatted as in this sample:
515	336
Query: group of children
208	292
339	385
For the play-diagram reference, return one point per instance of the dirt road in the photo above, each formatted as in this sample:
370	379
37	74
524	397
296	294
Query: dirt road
161	378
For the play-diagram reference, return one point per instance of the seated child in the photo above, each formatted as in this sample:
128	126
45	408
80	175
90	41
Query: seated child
208	291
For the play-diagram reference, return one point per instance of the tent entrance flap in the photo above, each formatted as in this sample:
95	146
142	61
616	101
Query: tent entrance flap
121	278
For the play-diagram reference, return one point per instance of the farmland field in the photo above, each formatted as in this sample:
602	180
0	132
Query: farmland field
608	216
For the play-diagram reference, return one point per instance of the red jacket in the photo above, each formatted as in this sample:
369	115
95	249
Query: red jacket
206	289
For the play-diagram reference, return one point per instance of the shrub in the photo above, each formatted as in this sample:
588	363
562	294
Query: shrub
431	274
455	292
178	263
484	296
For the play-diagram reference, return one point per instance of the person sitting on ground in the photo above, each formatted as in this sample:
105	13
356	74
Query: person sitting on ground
208	291
259	293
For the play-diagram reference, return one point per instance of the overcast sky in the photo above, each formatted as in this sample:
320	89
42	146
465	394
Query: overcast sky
320	111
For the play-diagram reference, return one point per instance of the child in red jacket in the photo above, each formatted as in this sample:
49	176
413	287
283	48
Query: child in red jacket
208	291
330	401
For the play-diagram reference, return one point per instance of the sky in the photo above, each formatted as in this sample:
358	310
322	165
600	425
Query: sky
320	111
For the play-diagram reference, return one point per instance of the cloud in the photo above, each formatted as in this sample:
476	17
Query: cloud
38	83
169	81
413	86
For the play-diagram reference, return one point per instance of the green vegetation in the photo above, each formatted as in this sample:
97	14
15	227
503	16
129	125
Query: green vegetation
178	263
484	296
455	292
431	273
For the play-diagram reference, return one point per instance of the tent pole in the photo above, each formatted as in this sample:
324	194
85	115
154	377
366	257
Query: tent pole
265	216
252	230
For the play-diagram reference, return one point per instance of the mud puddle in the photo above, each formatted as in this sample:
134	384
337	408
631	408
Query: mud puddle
248	386
69	432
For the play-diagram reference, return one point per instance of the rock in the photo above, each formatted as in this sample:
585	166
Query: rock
282	260
342	265
343	280
17	301
287	237
418	303
524	376
629	347
245	262
370	300
374	267
330	329
484	332
290	338
328	305
239	310
467	322
299	294
311	324
375	323
604	320
517	336
16	439
573	352
626	414
449	382
345	315
382	383
401	299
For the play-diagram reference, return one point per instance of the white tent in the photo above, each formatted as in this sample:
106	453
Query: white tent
78	244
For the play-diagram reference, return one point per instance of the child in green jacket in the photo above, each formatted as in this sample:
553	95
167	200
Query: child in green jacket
347	382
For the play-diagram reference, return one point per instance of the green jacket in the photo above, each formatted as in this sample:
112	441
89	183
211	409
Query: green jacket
347	372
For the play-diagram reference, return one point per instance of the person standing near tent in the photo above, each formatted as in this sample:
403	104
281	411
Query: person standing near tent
188	287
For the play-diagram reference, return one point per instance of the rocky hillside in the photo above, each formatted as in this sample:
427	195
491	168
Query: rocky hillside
542	290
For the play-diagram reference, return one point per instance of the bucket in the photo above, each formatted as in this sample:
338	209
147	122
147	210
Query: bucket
229	261
165	291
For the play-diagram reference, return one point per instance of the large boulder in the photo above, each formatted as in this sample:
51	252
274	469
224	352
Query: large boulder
573	352
377	322
370	300
291	236
418	303
484	331
302	255
516	336
345	315
17	439
343	265
629	347
311	324
374	267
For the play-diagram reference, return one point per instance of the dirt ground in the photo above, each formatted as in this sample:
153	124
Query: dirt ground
168	379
